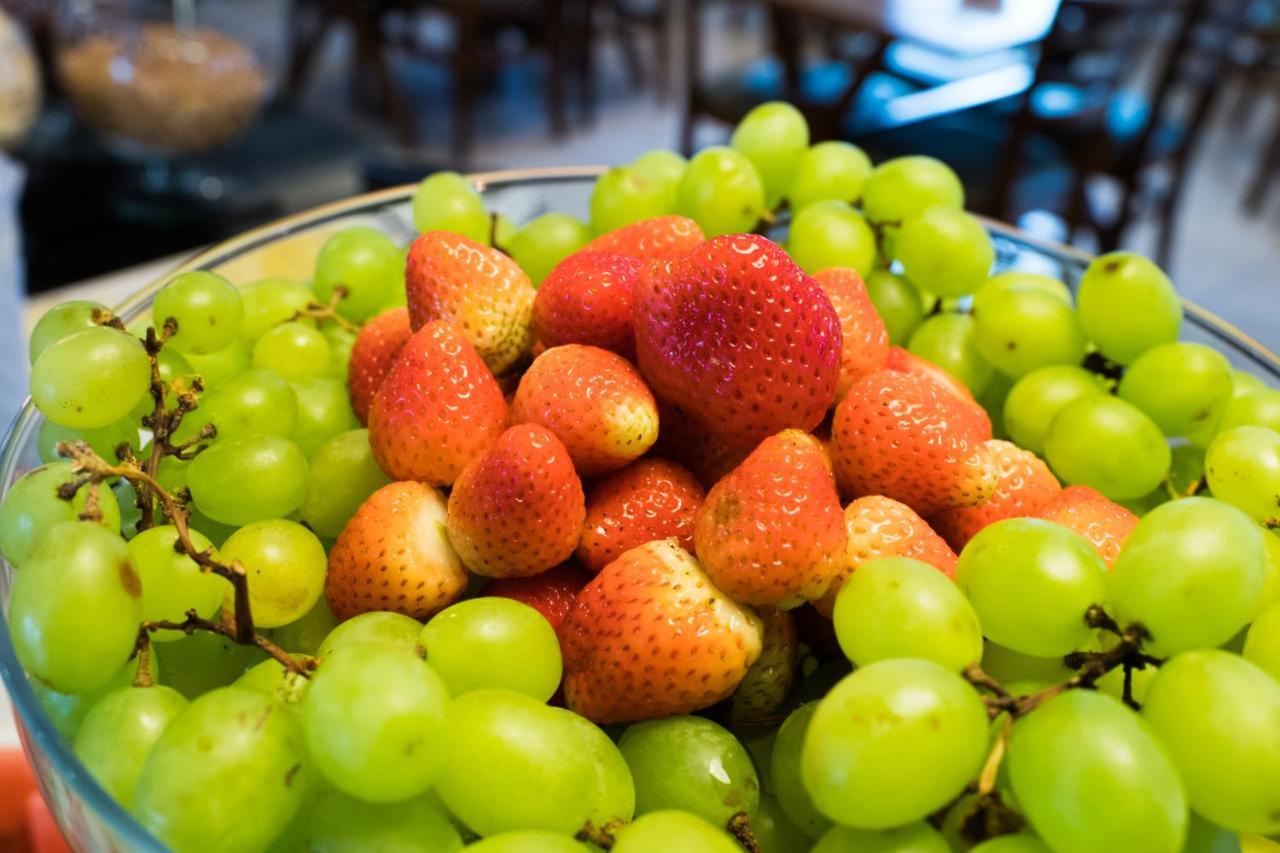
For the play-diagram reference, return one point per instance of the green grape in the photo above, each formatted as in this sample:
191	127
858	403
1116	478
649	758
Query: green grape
1008	666
673	832
1219	717
374	719
376	626
324	411
103	440
1191	573
285	564
343	474
513	763
774	136
1013	281
950	341
172	583
227	774
829	171
622	196
332	822
531	841
215	531
1037	398
832	234
248	479
1256	408
61	321
207	308
992	401
77	571
897	302
1262	643
68	710
546	241
366	263
1090	775
1031	582
32	506
1182	387
271	678
268	302
614	792
1101	441
257	402
902	608
1205	837
904	186
446	201
1022	330
693	764
1270	570
944	251
118	733
1020	843
784	769
91	378
1243	469
759	742
1127	306
215	369
304	635
341	340
293	350
202	662
665	168
913	838
892	743
493	642
774	832
722	191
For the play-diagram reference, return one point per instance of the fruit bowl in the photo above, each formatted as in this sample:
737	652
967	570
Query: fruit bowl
92	820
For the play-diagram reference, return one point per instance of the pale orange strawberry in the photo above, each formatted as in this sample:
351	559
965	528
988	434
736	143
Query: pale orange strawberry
1094	516
518	509
551	593
651	239
865	341
594	400
483	291
374	352
903	436
651	636
772	531
587	300
394	555
764	690
649	499
1026	484
437	409
882	527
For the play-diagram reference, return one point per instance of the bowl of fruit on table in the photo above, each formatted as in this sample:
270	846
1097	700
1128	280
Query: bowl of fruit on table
766	501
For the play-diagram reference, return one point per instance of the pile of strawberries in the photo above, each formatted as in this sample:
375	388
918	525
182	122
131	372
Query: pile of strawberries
706	439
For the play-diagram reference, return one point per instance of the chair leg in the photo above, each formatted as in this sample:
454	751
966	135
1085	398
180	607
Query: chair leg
1268	169
662	36
303	54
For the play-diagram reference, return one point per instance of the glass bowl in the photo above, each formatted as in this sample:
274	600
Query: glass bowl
89	818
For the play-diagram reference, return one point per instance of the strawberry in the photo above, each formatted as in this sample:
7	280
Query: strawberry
651	239
903	436
685	440
1094	516
375	350
448	277
437	409
772	532
651	636
649	499
587	300
739	337
551	593
865	343
1026	484
882	527
518	509
767	684
904	361
594	400
394	555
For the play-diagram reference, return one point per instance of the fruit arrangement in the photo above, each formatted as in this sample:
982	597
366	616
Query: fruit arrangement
650	533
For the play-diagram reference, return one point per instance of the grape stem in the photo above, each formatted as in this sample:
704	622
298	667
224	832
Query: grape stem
194	622
327	313
739	827
600	836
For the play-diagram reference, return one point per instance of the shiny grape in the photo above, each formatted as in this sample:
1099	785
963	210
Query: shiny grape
446	201
493	642
1127	305
945	251
1183	387
774	136
207	308
1037	398
950	341
1101	441
1243	469
722	191
119	731
377	626
832	234
285	564
293	350
366	263
324	412
829	171
1021	330
91	378
172	583
32	507
343	474
248	479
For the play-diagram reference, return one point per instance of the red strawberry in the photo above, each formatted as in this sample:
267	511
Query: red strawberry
688	442
587	300
865	341
1026	484
740	337
651	239
649	499
1097	518
551	593
437	410
767	684
448	277
651	636
772	532
904	361
903	436
881	527
595	401
375	350
394	555
518	509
